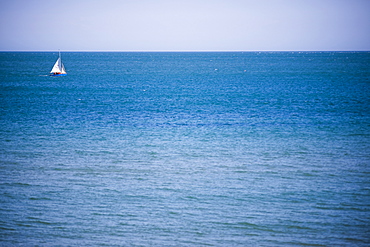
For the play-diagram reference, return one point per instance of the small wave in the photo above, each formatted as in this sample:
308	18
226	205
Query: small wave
39	199
22	184
2	228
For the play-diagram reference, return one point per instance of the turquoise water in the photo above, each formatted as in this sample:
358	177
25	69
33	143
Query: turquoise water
185	149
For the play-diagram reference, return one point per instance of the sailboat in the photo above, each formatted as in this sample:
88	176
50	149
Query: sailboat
58	68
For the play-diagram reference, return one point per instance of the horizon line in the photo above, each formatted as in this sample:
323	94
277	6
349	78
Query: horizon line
184	50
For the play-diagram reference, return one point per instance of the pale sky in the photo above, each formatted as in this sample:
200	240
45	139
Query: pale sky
184	25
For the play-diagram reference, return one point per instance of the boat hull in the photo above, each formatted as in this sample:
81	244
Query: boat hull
57	74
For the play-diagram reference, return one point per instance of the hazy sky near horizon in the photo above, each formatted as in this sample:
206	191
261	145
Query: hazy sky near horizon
184	25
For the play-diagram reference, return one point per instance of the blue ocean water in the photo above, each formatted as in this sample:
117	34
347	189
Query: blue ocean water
185	149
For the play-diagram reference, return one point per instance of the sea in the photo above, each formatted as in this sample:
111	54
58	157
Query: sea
185	149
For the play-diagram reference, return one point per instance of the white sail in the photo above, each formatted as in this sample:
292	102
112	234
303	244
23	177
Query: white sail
63	69
58	67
